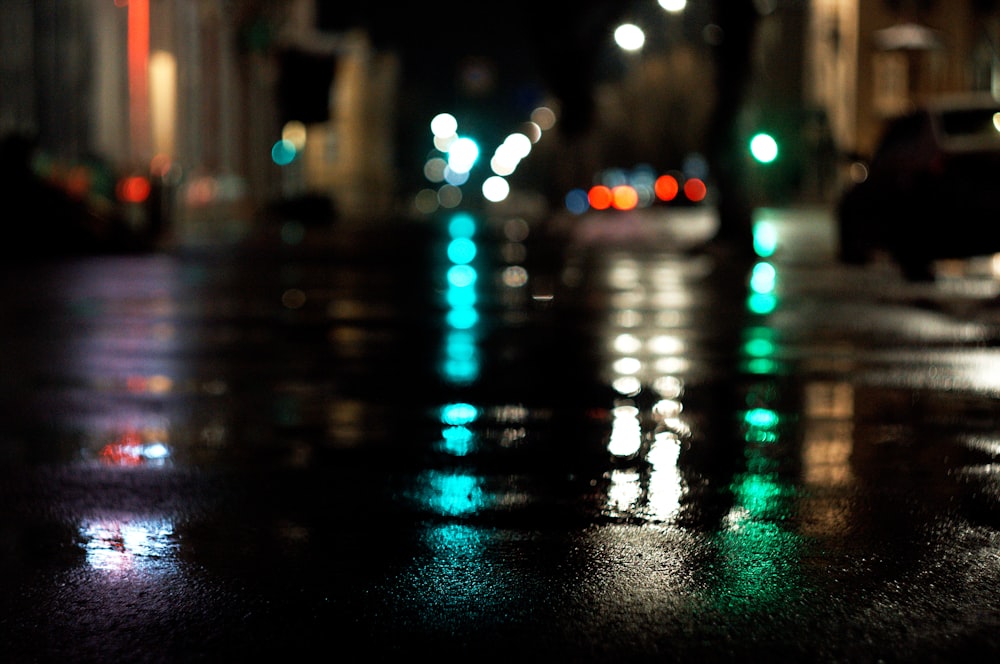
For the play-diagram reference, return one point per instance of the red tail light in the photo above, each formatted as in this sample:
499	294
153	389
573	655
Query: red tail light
133	189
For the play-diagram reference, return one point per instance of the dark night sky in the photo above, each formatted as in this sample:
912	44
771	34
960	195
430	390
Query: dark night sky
556	47
552	49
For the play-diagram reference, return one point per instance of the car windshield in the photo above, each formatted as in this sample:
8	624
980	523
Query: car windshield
982	123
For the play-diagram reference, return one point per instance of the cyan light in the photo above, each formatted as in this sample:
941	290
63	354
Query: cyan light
461	250
461	276
283	152
459	413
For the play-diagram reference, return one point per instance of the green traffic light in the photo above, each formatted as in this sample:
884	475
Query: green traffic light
764	148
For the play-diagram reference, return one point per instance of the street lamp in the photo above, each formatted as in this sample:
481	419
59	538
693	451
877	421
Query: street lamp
629	37
673	6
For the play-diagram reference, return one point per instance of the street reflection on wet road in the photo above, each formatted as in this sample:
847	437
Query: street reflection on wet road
435	441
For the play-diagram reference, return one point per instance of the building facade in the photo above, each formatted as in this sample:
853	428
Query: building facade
866	60
187	90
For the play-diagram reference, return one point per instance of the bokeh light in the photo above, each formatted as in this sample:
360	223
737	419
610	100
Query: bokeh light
629	37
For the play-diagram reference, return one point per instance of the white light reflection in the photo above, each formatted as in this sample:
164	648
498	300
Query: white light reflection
129	544
626	432
624	491
665	483
136	448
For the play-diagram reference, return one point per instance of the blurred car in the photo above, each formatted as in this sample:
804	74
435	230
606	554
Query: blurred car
931	189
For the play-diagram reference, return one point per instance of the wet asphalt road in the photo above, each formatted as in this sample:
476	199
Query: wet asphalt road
455	439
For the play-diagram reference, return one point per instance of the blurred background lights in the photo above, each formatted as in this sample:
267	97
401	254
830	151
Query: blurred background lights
294	132
629	37
624	197
544	117
666	187
459	413
449	196
462	225
133	189
532	131
461	276
495	189
762	278
283	152
455	177
461	250
576	201
600	197
462	154
673	6
434	169
695	190
442	143
518	144
765	239
444	125
764	148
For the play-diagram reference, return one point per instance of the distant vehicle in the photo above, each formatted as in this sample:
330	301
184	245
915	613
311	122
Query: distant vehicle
931	190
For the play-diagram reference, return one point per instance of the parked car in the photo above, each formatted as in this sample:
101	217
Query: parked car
931	190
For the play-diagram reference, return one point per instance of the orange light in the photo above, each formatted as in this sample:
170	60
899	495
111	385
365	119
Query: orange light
600	197
666	187
624	197
138	73
78	181
695	190
133	189
160	165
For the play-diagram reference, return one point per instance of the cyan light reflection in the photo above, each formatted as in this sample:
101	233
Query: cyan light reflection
457	439
759	350
462	276
459	413
461	297
462	224
461	250
451	493
129	544
461	361
761	556
765	239
763	278
763	281
761	566
462	318
457	582
760	425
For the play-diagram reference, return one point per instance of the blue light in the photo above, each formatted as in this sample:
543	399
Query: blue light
577	201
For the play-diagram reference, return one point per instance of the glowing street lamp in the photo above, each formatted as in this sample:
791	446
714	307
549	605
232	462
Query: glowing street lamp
630	37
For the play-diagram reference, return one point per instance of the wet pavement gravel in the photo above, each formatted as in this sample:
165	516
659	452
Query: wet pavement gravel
387	443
